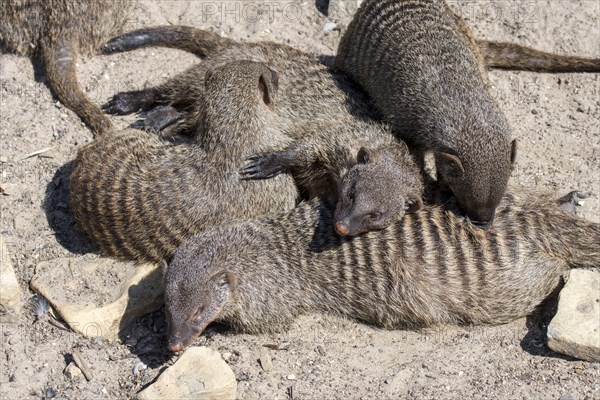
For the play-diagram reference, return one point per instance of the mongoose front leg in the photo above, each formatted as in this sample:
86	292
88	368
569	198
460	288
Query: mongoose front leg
268	165
129	102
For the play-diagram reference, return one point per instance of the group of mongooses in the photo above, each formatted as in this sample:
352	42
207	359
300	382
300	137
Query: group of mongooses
264	121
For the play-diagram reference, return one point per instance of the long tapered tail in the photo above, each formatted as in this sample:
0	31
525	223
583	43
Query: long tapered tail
575	240
193	40
516	57
59	58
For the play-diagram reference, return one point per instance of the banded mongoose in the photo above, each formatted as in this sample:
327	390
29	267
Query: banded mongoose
308	77
138	197
58	31
429	268
327	115
382	181
427	74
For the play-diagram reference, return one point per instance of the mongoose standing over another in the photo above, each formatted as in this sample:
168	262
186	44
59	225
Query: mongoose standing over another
328	116
382	181
139	197
58	31
430	268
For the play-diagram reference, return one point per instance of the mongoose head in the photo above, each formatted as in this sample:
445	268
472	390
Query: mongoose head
478	176
195	293
246	84
379	189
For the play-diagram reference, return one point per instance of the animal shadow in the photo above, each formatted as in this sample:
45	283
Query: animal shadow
59	215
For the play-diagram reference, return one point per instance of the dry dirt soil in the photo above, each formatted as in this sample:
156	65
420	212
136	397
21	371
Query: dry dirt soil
555	117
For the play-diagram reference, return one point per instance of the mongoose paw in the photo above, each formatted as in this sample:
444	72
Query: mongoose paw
125	103
572	200
262	166
157	119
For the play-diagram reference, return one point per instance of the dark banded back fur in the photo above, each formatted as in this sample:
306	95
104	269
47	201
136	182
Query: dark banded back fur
138	197
430	268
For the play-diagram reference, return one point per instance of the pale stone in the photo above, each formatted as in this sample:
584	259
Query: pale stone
575	329
73	372
200	373
265	361
343	10
99	296
10	292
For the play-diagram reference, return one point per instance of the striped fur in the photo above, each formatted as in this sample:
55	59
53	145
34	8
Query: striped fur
138	197
430	268
425	73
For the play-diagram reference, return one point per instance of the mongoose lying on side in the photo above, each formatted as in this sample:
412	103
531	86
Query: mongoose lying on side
427	75
383	181
138	197
429	268
58	31
309	91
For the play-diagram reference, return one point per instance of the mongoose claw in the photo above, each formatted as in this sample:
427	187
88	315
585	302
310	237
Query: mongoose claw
262	166
157	119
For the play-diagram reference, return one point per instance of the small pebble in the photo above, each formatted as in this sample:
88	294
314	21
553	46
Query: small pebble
534	112
329	26
265	361
566	397
291	377
73	372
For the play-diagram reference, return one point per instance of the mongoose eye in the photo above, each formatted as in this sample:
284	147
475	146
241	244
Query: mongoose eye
196	316
373	216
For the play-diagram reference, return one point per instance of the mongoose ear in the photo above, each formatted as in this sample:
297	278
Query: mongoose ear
365	156
224	279
266	89
513	151
274	79
454	163
413	203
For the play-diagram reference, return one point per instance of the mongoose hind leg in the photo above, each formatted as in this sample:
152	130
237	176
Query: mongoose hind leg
125	103
158	119
59	60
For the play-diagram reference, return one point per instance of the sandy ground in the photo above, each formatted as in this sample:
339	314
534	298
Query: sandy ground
556	118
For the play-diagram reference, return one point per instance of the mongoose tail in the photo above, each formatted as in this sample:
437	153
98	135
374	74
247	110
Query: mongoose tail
516	57
500	55
59	62
196	41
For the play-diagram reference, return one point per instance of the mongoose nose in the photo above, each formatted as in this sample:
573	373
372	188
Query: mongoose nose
176	347
341	228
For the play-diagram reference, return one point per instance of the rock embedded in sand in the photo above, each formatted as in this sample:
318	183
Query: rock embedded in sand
200	373
10	292
575	329
99	296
